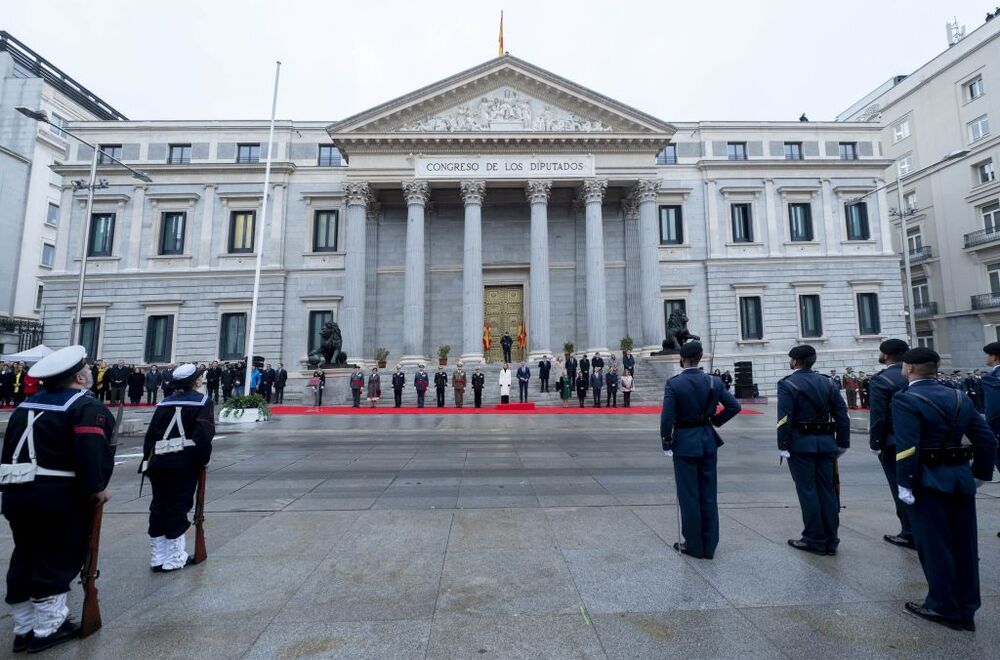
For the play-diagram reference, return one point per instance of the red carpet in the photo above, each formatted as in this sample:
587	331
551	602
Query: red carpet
513	408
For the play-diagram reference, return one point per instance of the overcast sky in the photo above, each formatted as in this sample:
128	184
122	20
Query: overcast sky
679	61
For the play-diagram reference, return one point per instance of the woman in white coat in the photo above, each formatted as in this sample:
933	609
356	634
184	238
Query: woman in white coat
505	383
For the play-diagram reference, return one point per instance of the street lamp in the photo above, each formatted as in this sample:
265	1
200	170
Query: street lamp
902	213
40	115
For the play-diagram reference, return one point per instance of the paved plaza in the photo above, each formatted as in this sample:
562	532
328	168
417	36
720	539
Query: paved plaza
507	537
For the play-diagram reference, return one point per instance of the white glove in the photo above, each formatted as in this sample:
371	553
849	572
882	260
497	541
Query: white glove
905	495
784	454
669	453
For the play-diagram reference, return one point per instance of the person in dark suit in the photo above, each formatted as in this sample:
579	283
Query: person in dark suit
398	383
226	381
990	383
213	377
266	382
597	362
506	342
478	381
884	385
628	362
571	365
280	380
596	385
582	385
611	381
544	369
813	430
420	383
935	479
440	385
585	367
688	436
523	376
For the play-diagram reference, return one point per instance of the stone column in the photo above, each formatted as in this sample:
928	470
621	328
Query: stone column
416	194
352	317
597	307
649	266
473	193
539	339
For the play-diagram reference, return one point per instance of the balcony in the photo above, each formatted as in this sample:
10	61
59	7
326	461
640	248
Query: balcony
982	237
922	253
925	309
986	301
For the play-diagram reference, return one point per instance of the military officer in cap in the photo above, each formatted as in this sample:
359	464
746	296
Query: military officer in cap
936	480
458	380
478	381
398	383
687	433
55	466
884	386
991	391
440	385
178	444
813	430
420	383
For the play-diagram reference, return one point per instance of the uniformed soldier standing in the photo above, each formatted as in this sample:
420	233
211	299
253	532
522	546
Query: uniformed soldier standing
687	434
991	391
398	383
420	383
178	444
884	386
440	385
934	476
458	380
478	381
357	383
56	464
813	430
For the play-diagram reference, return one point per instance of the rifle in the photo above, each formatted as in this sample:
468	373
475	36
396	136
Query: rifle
200	552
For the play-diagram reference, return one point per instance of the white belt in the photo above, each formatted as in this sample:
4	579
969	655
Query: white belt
45	472
21	473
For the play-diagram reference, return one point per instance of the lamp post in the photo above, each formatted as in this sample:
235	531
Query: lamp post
902	213
40	115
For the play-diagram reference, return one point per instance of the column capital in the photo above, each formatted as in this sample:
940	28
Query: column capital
372	211
358	193
630	206
416	192
592	190
646	189
473	192
538	190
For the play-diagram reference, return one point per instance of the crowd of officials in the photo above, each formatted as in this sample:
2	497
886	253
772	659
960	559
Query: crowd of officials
856	386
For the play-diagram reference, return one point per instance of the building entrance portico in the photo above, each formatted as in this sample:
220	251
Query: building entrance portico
503	311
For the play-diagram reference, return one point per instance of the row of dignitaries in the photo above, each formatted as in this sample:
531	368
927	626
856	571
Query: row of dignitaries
55	467
460	381
15	384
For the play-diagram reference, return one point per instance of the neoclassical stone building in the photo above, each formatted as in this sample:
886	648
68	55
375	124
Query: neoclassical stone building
503	197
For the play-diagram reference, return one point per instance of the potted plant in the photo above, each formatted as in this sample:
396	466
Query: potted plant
568	348
626	344
244	409
381	356
443	351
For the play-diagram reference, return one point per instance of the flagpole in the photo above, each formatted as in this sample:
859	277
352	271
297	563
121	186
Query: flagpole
259	231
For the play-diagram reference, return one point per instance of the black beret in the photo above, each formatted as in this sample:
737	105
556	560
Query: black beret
692	349
993	348
802	352
893	347
920	355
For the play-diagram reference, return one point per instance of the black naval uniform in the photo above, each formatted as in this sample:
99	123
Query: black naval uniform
478	381
806	400
440	384
398	383
50	517
174	475
884	385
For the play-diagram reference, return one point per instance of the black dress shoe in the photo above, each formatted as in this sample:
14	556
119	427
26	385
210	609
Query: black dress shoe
901	541
67	631
969	626
21	642
805	547
924	613
680	547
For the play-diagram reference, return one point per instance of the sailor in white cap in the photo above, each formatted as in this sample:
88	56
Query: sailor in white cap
178	444
55	465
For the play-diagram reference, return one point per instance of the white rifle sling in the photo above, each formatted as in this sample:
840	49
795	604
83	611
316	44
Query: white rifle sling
170	445
22	473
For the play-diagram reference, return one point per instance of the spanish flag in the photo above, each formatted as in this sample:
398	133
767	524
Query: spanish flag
500	44
522	336
487	338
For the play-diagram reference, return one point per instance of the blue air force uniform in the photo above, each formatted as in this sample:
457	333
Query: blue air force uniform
687	428
991	393
883	386
933	472
813	429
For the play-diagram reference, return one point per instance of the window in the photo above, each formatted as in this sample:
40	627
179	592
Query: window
991	217
232	336
736	150
914	240
742	223
102	234
857	221
974	88
979	128
671	225
325	231
241	231
868	321
52	215
172	233
109	152
810	316
668	156
904	165
984	171
57	123
800	222
848	151
751	321
159	338
48	255
925	339
910	201
248	153
921	293
329	156
316	322
993	273
180	154
670	306
39	293
793	151
90	335
901	130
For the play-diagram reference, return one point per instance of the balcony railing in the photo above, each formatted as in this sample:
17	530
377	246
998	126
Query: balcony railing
921	253
982	237
925	309
986	301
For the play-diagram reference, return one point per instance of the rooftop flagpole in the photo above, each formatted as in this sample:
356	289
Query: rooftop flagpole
259	232
500	43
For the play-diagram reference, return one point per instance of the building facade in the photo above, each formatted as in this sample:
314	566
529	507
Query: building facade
503	198
939	131
30	192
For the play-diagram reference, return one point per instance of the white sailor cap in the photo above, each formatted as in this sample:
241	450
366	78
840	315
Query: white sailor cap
60	364
184	373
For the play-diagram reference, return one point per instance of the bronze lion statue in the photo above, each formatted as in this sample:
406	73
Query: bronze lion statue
330	352
677	331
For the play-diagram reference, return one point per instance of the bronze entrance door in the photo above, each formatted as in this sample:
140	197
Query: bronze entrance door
504	311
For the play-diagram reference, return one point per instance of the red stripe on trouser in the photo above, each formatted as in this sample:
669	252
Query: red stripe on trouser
96	430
